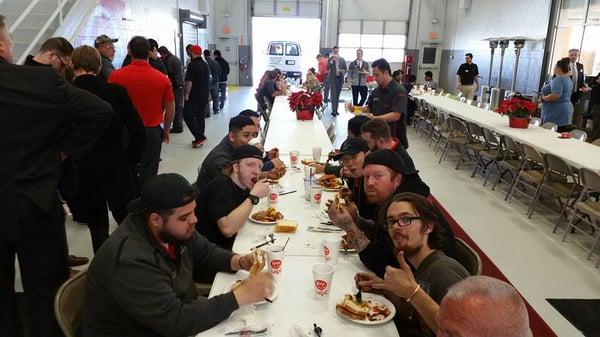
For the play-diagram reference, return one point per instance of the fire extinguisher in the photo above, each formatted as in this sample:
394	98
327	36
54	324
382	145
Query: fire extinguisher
408	61
243	64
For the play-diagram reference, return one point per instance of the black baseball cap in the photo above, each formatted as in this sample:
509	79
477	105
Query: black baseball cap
352	146
162	192
247	151
386	158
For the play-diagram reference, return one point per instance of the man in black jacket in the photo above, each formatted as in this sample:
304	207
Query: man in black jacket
140	282
215	74
175	73
45	120
223	78
197	82
106	173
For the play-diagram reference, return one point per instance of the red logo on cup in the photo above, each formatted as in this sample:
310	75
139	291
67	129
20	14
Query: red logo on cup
321	285
317	197
276	264
326	251
273	197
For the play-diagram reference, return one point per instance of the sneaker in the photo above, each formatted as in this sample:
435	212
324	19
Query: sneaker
197	143
176	130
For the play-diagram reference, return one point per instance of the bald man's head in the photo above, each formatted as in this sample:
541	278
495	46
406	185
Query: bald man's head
481	306
5	42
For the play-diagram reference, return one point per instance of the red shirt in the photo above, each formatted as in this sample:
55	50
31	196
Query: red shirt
323	71
148	89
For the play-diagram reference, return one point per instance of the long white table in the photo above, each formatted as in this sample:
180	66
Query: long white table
295	302
289	134
577	153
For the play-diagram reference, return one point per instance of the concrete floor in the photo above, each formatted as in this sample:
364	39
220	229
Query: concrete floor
536	261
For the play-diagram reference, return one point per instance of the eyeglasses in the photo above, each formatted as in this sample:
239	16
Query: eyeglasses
402	221
62	64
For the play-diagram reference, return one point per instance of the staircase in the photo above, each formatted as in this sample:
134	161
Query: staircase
31	22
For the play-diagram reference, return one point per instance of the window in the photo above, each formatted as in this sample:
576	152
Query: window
377	39
291	49
276	48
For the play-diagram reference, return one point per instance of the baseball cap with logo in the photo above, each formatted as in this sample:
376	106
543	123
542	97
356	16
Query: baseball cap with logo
103	39
163	192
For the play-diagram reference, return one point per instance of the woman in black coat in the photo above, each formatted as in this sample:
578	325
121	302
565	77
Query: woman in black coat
106	172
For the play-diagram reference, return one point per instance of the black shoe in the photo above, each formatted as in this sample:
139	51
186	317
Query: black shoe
216	112
176	130
334	114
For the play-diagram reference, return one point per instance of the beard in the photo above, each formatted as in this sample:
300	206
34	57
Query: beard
167	237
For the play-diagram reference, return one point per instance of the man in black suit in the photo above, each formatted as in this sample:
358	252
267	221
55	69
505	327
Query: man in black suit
106	172
45	120
577	75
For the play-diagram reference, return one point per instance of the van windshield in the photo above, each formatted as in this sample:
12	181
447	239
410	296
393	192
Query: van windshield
291	49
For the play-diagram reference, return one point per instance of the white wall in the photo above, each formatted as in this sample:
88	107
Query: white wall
157	19
231	13
466	28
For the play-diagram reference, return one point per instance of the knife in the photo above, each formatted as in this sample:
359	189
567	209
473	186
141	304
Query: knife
246	332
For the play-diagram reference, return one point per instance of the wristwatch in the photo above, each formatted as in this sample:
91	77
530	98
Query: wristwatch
253	199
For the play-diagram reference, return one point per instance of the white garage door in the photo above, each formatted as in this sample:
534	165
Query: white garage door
378	27
299	8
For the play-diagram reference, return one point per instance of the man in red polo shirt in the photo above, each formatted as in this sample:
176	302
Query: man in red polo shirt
152	95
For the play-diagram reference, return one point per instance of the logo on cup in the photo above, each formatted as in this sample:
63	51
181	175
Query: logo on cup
273	197
276	266
294	159
327	253
317	197
321	287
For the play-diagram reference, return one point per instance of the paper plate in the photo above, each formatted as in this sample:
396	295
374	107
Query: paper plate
376	299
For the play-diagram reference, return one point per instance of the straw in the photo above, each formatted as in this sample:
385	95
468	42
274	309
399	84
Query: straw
285	245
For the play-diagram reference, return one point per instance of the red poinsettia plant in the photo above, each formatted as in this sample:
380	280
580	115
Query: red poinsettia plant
303	101
517	108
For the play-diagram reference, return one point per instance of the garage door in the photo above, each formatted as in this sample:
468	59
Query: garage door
299	8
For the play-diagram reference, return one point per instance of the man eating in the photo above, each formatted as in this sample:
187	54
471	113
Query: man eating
140	281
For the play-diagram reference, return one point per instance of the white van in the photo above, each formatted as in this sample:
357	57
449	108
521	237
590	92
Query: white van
285	55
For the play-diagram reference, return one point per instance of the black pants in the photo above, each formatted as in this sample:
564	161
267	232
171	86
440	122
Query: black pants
193	114
359	89
103	187
151	155
222	94
178	119
336	89
42	252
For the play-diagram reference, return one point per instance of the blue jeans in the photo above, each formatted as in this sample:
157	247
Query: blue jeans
222	94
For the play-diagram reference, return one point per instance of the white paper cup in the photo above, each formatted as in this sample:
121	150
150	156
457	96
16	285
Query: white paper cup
274	195
331	247
317	153
294	158
322	277
316	193
275	256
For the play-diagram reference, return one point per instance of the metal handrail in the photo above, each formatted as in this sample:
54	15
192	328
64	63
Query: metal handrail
23	16
57	11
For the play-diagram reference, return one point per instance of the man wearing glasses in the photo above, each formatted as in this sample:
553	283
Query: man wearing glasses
54	52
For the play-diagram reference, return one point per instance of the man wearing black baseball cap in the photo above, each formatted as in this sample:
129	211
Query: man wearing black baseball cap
227	201
140	281
384	175
106	47
352	155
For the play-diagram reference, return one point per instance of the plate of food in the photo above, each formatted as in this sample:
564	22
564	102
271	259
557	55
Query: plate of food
270	216
372	310
258	265
330	183
346	246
